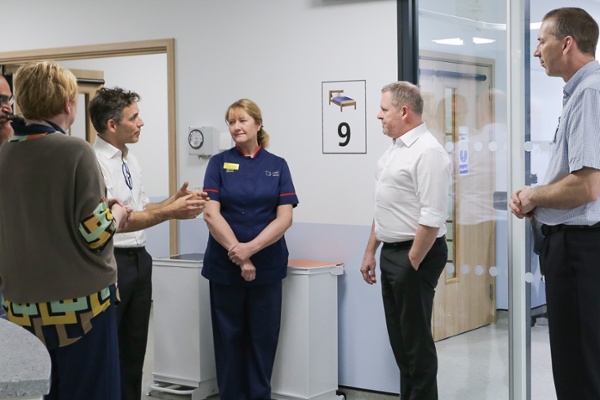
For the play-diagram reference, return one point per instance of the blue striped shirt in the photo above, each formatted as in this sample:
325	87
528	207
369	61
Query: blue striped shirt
576	144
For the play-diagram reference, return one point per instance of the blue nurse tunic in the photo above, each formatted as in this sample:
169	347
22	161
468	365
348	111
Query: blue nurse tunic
249	191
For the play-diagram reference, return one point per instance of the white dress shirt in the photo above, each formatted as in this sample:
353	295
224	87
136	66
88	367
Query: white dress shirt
412	181
111	162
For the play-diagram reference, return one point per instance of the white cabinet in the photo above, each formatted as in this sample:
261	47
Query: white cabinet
306	364
183	340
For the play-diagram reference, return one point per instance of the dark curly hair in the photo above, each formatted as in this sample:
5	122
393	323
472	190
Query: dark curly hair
109	104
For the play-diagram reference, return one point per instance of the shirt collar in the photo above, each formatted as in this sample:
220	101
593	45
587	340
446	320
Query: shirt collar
579	76
411	136
107	150
256	153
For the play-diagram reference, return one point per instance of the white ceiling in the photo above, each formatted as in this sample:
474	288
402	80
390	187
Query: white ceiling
466	19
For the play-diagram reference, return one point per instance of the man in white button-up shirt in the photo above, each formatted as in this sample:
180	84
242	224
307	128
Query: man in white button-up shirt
411	202
115	115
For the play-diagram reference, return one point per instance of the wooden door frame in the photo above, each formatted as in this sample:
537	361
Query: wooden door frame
147	47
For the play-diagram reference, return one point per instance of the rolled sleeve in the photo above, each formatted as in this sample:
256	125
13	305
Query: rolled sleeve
433	177
432	217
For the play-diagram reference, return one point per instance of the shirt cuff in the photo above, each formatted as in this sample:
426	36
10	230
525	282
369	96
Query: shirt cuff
432	217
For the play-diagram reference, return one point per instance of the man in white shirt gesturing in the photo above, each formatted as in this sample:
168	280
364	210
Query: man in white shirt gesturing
115	115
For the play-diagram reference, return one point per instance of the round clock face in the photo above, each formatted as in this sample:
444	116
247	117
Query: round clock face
196	139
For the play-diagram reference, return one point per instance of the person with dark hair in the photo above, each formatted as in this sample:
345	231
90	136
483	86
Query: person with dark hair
567	206
411	203
115	115
56	238
7	100
6	131
251	201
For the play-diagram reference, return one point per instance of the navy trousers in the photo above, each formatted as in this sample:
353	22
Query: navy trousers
133	316
89	368
408	305
246	323
570	261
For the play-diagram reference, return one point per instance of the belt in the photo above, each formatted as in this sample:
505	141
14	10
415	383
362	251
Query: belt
406	245
130	250
550	229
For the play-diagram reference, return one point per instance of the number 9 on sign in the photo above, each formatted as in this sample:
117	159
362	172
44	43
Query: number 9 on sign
344	133
344	128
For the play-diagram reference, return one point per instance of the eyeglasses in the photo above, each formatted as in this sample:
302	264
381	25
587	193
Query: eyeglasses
127	176
7	100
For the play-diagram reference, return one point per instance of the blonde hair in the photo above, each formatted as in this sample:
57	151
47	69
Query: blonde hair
42	88
252	109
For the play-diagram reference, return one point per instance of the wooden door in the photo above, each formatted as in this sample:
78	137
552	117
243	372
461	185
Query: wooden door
88	82
457	98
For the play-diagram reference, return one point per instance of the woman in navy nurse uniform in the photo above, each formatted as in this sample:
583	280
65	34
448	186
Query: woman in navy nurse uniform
250	208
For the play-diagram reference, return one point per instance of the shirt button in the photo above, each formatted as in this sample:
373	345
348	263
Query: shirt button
243	212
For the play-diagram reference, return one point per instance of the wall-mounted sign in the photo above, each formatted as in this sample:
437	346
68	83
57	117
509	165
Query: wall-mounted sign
344	117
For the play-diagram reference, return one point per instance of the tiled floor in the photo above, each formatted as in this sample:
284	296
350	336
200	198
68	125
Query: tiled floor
472	366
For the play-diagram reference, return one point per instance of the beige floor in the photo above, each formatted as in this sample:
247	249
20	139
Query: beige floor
472	366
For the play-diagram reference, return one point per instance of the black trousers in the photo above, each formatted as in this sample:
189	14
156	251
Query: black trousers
570	261
133	316
408	305
246	323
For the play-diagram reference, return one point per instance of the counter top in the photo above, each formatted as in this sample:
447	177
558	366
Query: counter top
24	363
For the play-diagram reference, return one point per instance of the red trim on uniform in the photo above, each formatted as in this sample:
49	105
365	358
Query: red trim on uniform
287	194
257	150
211	190
242	152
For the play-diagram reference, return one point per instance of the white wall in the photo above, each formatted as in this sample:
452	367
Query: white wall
274	52
278	53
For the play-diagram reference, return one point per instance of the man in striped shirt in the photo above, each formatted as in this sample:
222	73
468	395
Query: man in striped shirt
567	205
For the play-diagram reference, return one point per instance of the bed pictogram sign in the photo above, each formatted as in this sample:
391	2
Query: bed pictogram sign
336	97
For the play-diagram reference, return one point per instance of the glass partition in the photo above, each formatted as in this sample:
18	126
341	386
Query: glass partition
468	92
462	74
